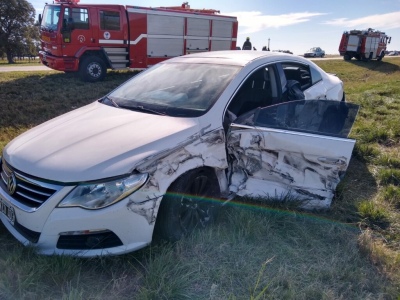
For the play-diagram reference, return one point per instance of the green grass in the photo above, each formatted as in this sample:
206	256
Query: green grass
254	250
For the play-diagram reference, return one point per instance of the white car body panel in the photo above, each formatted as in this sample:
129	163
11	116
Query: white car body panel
108	133
291	161
98	141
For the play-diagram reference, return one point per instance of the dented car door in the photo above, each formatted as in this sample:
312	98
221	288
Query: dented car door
298	149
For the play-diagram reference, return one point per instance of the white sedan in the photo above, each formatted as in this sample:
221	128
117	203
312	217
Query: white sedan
163	151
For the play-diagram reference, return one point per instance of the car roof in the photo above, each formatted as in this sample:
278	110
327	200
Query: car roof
230	57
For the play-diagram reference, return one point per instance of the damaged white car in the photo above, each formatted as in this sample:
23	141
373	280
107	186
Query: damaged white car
161	152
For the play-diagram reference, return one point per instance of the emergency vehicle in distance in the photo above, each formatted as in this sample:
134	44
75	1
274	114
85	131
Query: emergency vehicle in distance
90	38
363	44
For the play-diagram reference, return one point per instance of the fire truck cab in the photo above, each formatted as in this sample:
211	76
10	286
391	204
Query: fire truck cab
363	44
89	39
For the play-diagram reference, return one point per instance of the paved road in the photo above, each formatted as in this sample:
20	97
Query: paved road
24	68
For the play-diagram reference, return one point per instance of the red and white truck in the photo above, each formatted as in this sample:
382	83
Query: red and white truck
363	44
90	38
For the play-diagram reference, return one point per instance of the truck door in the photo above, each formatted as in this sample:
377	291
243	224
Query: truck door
298	149
353	43
76	30
113	28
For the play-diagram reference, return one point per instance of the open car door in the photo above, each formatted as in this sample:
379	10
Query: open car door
299	149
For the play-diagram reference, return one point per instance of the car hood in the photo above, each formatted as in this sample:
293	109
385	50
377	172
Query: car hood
94	142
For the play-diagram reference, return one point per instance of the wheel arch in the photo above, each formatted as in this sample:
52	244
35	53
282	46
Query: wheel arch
220	177
94	52
178	187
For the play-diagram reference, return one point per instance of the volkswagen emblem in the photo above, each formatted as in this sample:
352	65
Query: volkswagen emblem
11	183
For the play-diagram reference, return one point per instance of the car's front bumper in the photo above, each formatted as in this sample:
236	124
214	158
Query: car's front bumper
116	229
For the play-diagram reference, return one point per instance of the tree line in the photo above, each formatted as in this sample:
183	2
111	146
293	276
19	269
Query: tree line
19	33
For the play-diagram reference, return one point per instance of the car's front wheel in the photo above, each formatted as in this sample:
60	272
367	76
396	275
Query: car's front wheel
190	203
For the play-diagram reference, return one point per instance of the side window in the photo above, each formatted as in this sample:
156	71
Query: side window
323	117
258	90
110	20
76	18
315	75
298	72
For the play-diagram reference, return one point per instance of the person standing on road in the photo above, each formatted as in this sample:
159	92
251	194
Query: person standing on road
247	44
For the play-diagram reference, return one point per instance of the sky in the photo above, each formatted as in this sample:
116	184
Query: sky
295	25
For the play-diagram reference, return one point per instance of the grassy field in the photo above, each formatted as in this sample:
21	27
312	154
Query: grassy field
254	250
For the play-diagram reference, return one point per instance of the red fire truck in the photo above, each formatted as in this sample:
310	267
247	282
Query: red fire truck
363	44
89	38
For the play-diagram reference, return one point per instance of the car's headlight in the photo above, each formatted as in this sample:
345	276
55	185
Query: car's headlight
100	195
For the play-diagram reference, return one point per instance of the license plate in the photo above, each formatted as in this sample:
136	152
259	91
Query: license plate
8	211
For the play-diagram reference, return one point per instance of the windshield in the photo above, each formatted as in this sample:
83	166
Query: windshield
175	89
50	17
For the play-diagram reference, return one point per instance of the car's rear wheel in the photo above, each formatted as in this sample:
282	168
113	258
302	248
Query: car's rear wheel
190	203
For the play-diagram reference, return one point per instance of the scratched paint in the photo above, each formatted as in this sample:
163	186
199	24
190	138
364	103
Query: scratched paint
164	168
258	170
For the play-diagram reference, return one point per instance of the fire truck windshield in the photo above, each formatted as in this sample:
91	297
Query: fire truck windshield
51	17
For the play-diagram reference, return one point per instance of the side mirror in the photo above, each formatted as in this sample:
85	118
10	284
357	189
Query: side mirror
390	39
40	19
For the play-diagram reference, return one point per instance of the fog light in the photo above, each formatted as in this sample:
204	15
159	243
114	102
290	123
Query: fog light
88	240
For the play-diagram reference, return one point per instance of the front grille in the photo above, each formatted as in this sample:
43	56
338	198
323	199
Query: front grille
29	192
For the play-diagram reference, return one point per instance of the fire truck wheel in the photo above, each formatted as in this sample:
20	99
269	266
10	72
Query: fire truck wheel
346	57
92	69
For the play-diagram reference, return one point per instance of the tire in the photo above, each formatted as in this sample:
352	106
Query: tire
188	205
346	57
379	58
92	69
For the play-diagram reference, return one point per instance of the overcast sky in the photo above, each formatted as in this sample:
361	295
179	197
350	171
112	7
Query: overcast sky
295	25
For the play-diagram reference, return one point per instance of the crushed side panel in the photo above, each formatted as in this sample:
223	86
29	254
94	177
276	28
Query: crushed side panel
202	149
260	170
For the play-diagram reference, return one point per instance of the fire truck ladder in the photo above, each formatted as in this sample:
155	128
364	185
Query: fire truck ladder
186	7
117	57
